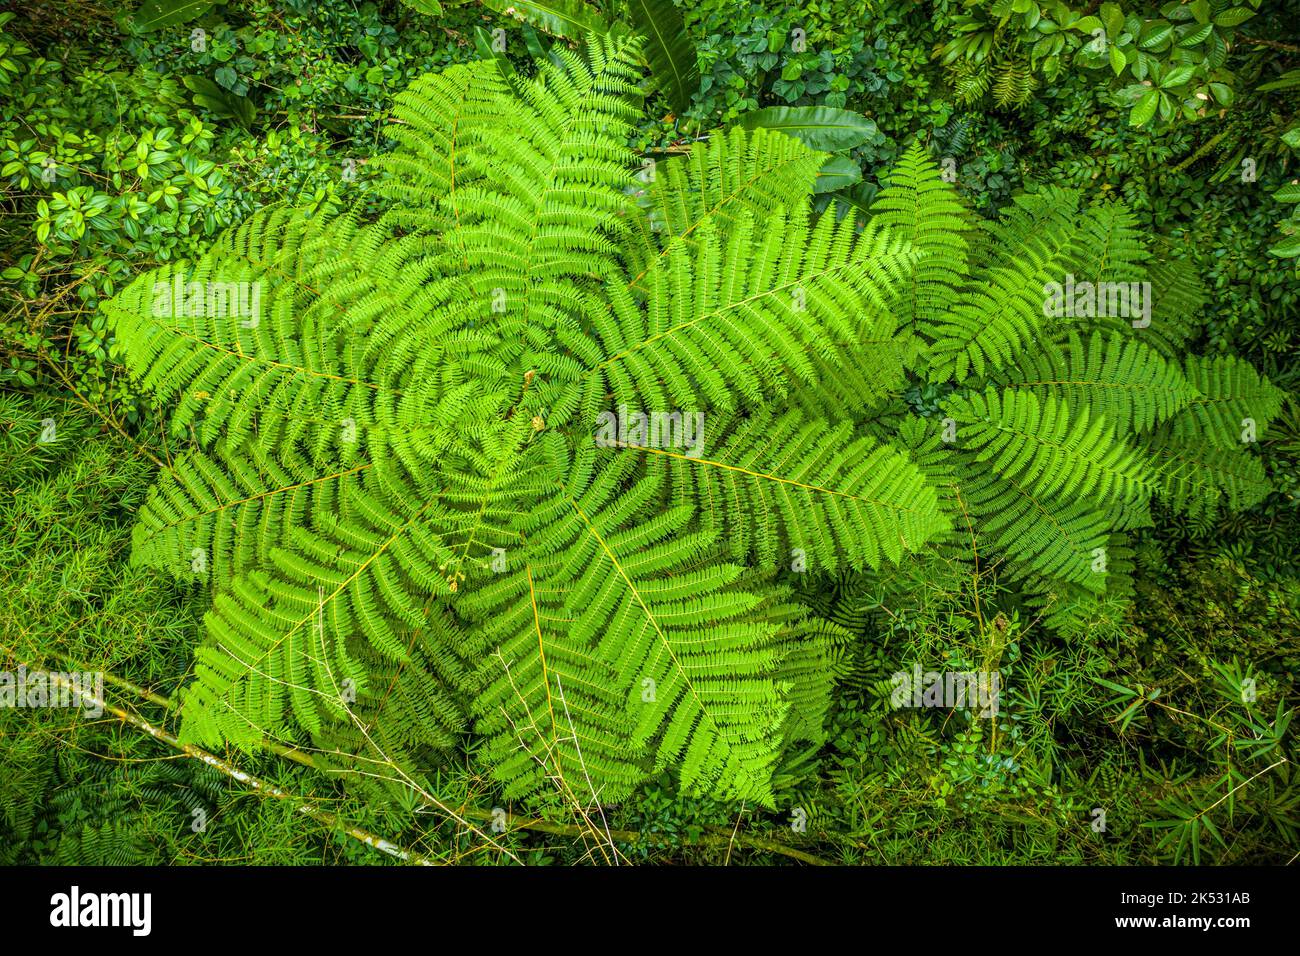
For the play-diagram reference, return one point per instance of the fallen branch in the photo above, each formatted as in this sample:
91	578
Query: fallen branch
259	786
1288	47
515	821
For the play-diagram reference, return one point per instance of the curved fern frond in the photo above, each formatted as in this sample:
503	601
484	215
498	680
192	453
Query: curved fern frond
227	334
1199	477
739	171
1178	295
1045	446
1055	536
783	486
1070	608
1234	405
1003	309
790	293
1014	84
439	117
1120	378
215	516
926	211
1108	246
612	649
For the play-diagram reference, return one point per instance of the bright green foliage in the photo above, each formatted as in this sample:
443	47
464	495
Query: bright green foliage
1065	422
1174	61
395	489
411	527
667	49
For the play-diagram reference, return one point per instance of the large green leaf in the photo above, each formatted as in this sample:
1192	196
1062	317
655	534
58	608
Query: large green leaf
1288	193
1287	81
483	46
838	172
156	14
1144	109
220	102
571	19
819	127
1233	17
668	48
1287	248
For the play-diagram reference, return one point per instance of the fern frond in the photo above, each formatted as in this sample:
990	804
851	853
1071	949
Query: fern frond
440	115
1046	447
1120	378
1014	84
1199	477
1003	309
782	483
1054	536
1178	295
791	292
970	80
1234	403
1108	246
612	646
919	206
759	172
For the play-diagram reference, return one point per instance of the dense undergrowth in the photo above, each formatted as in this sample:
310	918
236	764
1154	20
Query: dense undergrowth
1130	738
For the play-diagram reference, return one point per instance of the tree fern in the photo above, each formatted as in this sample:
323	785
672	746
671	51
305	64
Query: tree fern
396	487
